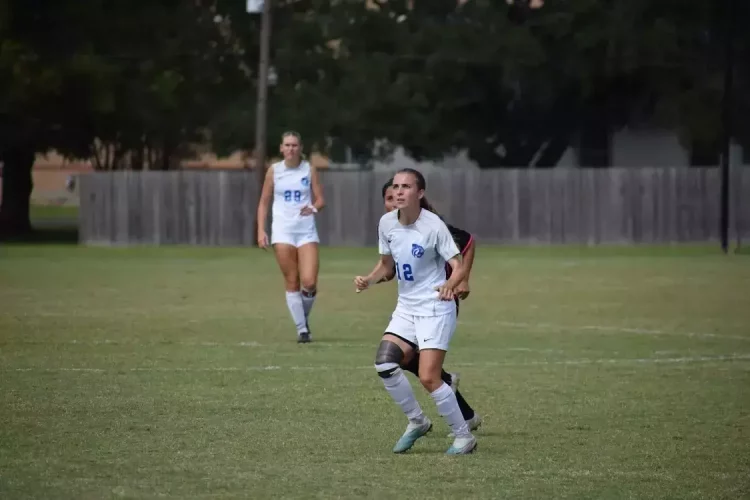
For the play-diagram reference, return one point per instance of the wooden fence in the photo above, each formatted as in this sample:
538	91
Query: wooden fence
588	206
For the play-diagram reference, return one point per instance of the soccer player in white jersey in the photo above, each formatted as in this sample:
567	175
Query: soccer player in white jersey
297	194
418	243
467	246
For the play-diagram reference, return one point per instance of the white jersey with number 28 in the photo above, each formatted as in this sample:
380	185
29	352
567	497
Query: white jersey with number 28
291	192
420	251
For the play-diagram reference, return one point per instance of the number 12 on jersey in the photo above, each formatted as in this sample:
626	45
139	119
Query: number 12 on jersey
407	274
289	194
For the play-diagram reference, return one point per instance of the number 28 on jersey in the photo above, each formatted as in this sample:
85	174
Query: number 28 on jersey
290	195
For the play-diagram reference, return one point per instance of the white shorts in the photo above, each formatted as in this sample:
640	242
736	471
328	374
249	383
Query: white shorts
426	332
294	239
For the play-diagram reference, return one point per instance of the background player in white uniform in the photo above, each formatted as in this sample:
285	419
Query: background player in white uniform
293	183
419	244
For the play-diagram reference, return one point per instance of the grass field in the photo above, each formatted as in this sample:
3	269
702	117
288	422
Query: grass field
174	372
54	212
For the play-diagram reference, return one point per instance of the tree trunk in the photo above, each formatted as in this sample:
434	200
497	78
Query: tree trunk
16	194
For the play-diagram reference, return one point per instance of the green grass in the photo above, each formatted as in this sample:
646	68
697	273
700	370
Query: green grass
174	372
54	212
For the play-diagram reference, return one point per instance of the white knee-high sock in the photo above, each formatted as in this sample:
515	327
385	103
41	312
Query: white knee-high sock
308	299
297	310
399	388
447	407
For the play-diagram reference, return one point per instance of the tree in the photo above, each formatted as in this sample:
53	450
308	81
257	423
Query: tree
173	69
127	83
303	96
514	86
41	72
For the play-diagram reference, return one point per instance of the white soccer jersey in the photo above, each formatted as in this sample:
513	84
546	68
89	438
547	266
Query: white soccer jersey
420	251
291	192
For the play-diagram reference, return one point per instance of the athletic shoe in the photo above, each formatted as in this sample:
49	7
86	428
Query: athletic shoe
463	446
303	338
455	378
474	423
413	432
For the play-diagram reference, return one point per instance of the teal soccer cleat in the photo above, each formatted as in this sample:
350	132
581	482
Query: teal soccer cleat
462	446
413	432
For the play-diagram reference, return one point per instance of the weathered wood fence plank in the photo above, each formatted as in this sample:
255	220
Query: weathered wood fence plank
579	206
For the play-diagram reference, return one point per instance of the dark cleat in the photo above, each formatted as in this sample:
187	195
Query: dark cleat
303	338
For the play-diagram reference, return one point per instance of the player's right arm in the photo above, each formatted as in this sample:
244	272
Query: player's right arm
384	269
384	266
388	277
265	200
390	274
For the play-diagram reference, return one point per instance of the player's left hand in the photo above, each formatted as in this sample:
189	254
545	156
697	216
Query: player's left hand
462	290
445	292
307	210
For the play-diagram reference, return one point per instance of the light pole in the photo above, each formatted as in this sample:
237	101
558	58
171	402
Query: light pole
260	107
726	119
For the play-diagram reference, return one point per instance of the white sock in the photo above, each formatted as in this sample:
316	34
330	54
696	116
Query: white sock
447	407
297	310
308	299
399	388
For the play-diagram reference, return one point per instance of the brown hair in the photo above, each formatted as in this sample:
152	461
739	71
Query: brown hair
424	203
421	184
292	133
295	134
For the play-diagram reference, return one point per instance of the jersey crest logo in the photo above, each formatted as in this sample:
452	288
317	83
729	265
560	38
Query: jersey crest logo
305	181
416	250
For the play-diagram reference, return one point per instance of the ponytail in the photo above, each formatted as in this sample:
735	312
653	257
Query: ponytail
424	203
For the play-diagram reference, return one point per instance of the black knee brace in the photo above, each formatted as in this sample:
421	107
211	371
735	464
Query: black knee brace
388	359
413	365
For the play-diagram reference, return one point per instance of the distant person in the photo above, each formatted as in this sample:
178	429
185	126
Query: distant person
293	183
